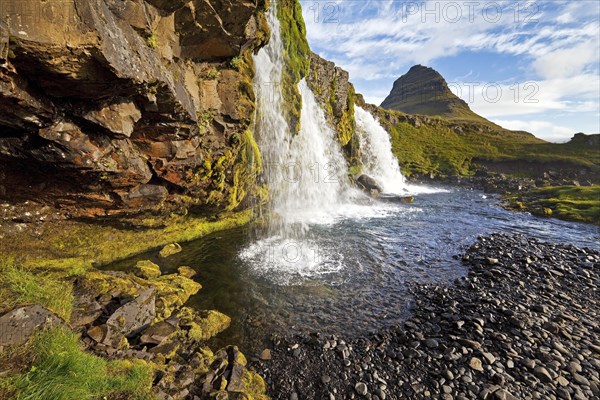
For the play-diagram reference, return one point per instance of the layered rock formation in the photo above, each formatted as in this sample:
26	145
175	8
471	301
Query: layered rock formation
118	107
334	91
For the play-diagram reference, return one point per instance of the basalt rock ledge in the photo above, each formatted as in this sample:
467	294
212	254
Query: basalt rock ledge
111	108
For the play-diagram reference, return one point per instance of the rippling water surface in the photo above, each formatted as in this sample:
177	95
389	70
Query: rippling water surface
349	274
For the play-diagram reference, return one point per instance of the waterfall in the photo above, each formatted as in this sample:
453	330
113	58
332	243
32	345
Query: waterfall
306	173
308	182
319	182
376	153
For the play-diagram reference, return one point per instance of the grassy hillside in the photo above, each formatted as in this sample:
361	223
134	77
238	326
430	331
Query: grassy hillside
431	145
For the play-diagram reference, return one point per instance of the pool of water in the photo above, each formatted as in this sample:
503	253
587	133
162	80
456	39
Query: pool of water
349	273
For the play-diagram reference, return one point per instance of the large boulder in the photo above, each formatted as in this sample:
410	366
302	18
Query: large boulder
134	316
18	325
147	269
368	184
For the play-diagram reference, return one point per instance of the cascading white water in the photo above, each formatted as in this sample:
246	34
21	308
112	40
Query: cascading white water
308	179
319	183
306	173
376	153
271	130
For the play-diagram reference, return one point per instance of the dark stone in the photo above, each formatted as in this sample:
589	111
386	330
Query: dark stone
368	184
157	333
134	316
18	325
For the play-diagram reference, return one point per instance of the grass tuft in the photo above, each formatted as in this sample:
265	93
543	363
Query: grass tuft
21	286
63	371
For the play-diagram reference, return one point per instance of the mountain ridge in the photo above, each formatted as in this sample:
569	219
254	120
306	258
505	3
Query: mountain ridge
424	91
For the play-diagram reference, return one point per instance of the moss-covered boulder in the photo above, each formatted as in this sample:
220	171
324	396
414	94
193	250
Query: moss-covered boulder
186	271
170	250
202	325
172	292
234	380
147	269
96	290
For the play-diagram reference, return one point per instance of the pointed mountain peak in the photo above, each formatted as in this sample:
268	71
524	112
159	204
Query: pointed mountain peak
423	90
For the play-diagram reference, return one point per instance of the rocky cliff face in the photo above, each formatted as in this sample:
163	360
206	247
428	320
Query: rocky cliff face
118	107
334	91
422	90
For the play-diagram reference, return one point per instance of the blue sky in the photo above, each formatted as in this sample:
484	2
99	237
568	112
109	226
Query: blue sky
529	65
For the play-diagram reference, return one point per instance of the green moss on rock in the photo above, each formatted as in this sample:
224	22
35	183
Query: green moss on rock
147	269
203	325
172	292
71	247
255	387
296	58
346	125
186	271
246	170
573	203
170	249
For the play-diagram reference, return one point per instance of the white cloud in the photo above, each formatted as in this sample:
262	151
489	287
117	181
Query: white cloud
532	97
557	44
566	61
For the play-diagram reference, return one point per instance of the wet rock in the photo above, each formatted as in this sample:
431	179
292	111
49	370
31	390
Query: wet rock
167	348
489	357
502	394
574	367
235	378
448	375
188	272
396	199
17	326
542	374
265	355
85	311
581	380
98	333
170	249
333	90
368	184
147	269
106	336
118	118
204	324
529	363
562	381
